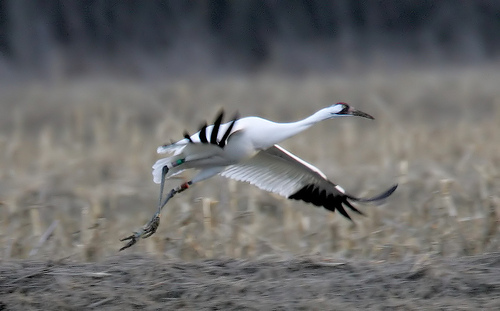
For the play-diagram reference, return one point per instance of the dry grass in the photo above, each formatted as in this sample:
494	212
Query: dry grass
75	160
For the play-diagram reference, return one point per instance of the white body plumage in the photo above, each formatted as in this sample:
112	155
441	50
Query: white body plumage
245	150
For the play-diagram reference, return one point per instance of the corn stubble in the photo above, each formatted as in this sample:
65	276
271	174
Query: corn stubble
77	178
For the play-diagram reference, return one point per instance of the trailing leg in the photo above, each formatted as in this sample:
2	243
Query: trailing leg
150	228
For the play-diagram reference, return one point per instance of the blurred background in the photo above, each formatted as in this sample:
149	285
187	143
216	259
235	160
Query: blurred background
70	38
89	89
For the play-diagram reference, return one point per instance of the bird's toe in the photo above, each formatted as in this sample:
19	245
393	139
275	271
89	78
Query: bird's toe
133	240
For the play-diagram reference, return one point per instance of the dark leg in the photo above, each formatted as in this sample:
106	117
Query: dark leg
153	224
164	172
150	228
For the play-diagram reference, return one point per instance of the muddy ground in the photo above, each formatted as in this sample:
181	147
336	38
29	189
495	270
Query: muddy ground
130	282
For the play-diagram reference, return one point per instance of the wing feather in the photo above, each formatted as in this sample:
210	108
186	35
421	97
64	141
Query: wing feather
276	171
279	171
215	128
216	134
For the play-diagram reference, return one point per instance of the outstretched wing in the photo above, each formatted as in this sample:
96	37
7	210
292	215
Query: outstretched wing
279	171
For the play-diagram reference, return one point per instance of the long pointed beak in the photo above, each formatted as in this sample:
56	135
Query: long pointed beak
359	113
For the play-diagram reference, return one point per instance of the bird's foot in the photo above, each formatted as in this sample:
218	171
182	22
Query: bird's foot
145	232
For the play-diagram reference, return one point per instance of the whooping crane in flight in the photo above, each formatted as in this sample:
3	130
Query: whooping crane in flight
246	150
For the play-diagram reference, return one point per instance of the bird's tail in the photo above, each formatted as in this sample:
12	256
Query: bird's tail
379	197
158	168
171	148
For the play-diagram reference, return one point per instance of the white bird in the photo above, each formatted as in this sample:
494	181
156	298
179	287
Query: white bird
246	150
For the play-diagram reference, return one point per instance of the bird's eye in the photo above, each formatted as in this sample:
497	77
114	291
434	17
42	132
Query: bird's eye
344	109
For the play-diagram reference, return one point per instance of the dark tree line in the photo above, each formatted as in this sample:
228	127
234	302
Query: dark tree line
247	29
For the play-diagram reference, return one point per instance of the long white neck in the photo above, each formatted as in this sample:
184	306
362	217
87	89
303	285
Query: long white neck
270	133
293	128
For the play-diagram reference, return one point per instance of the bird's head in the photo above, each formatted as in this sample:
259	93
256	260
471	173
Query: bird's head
342	109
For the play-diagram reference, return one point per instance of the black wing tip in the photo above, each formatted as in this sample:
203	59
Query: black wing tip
205	139
342	211
215	129
203	133
311	194
187	136
220	114
223	141
391	190
333	202
379	197
353	208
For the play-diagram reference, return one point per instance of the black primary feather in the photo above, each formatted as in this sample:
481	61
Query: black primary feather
203	134
187	136
223	141
215	128
312	193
